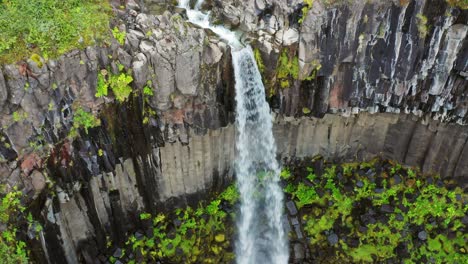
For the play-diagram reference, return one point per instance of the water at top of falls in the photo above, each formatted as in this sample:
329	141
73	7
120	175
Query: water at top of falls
197	17
261	236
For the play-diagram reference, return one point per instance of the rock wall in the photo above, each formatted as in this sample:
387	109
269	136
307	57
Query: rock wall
364	56
180	174
376	56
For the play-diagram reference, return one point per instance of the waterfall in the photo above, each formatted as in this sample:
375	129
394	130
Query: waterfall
261	235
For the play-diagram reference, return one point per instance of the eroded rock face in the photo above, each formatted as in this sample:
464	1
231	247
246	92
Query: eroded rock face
365	56
376	56
177	174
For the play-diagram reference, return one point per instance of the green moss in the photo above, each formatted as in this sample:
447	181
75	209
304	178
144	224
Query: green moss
259	60
37	59
50	27
19	116
308	5
422	25
119	35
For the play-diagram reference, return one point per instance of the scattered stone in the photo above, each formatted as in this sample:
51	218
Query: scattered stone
290	37
422	235
287	226
177	222
139	235
359	184
294	221
299	252
332	239
386	208
117	253
291	207
396	179
370	172
399	217
465	220
38	181
131	4
378	190
298	231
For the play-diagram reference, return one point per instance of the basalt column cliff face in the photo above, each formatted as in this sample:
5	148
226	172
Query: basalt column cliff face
378	56
347	80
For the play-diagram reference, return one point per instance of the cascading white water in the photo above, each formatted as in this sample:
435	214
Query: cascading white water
261	236
261	233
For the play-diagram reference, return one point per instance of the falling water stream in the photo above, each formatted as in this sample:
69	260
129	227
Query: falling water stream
261	236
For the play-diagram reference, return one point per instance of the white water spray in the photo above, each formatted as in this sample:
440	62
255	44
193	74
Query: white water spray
261	232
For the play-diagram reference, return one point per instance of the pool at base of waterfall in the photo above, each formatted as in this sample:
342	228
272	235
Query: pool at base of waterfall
373	211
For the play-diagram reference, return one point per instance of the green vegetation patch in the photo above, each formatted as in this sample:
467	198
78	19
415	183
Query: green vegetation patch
85	120
463	4
12	218
288	67
186	235
120	84
50	27
379	211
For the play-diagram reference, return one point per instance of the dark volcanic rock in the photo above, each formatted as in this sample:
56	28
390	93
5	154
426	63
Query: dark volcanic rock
291	206
422	235
332	239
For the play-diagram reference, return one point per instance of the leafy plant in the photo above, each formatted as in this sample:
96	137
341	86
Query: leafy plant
102	85
119	35
145	216
259	60
120	86
305	195
285	174
231	195
86	120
